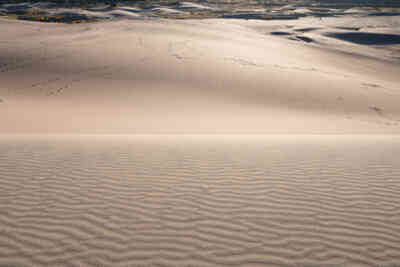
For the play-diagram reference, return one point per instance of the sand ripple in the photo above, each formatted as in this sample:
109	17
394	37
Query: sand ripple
199	201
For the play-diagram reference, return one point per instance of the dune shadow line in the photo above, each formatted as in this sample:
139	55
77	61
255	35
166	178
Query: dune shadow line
365	38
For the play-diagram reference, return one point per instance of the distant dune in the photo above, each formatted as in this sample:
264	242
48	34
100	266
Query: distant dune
205	76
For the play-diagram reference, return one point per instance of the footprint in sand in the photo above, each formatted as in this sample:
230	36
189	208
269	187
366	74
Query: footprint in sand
376	109
371	85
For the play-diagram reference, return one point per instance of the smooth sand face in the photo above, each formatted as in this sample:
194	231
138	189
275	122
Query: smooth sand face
199	201
211	76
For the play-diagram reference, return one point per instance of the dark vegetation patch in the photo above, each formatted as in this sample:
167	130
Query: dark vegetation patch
365	38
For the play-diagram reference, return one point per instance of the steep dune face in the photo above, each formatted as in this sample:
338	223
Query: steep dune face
187	77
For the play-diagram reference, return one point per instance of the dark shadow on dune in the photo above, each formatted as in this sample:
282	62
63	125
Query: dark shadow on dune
305	39
105	9
280	33
129	10
348	28
261	16
307	29
15	7
365	38
389	14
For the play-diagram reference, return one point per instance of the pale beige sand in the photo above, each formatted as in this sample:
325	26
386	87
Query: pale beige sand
199	201
192	200
210	76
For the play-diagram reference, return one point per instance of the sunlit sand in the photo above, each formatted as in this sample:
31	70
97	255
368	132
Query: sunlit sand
214	142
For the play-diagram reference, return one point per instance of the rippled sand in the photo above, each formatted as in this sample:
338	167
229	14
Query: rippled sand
199	200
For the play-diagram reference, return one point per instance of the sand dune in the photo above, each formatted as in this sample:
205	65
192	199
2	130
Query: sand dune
210	76
176	191
199	201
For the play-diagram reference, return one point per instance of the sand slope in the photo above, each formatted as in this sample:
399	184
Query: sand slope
199	201
210	76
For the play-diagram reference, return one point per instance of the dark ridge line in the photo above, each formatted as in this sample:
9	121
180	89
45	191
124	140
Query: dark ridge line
280	33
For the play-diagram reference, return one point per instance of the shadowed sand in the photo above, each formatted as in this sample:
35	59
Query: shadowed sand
367	38
153	199
209	76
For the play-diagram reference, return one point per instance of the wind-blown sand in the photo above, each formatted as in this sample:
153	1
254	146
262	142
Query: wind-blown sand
322	191
199	201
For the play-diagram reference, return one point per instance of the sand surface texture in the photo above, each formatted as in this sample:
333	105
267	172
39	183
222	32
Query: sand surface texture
161	196
204	76
199	201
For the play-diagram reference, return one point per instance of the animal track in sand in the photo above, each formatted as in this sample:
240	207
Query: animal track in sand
58	91
380	88
177	50
39	84
371	85
376	109
242	62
